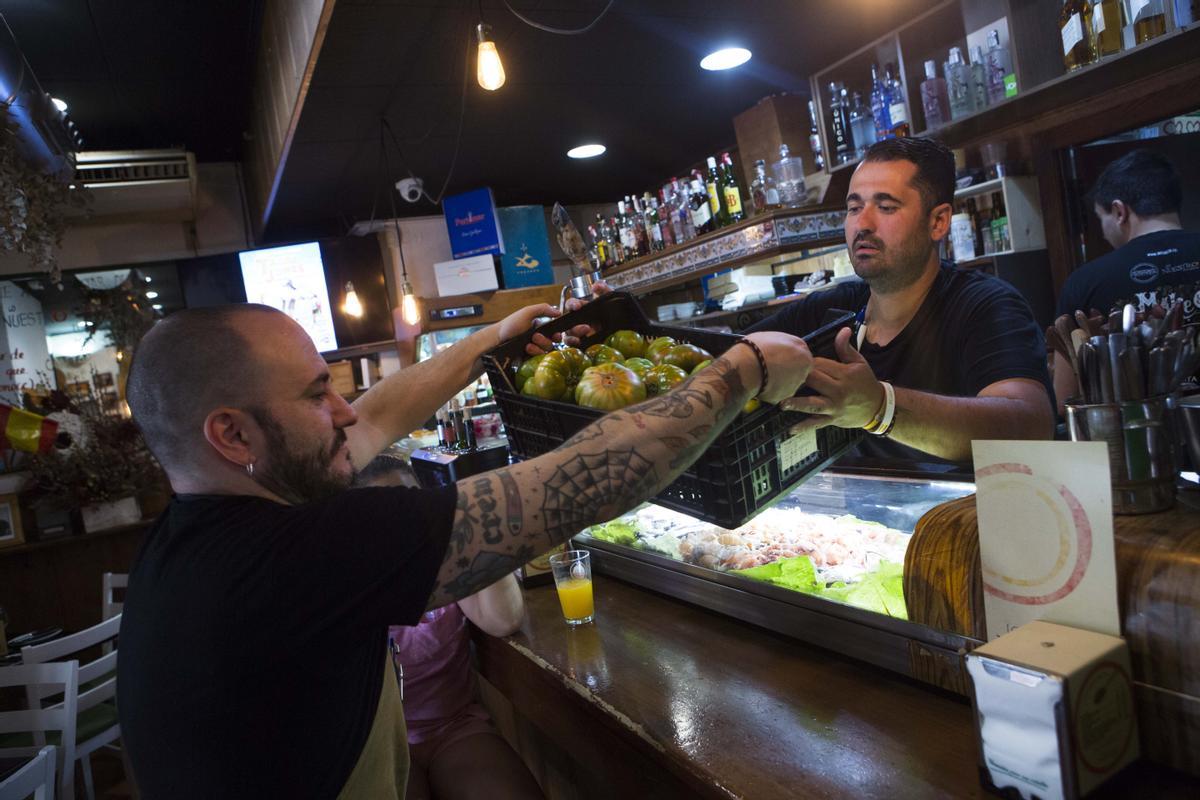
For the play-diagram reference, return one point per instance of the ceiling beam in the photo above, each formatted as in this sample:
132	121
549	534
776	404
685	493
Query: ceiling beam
292	34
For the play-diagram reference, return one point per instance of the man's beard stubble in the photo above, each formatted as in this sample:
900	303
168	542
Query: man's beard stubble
298	477
893	269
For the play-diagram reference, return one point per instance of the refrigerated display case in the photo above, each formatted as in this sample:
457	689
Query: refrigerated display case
824	565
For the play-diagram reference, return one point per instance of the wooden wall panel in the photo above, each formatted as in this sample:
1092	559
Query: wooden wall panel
292	34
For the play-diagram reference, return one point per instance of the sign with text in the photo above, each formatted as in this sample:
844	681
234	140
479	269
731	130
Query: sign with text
472	224
526	259
1046	535
24	355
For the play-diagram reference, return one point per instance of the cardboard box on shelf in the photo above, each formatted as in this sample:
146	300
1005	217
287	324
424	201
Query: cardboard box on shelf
774	120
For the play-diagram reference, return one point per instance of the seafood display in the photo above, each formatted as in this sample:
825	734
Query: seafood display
843	558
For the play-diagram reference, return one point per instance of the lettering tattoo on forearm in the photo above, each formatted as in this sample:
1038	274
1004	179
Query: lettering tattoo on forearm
489	520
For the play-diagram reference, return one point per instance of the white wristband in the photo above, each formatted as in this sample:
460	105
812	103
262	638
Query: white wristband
889	411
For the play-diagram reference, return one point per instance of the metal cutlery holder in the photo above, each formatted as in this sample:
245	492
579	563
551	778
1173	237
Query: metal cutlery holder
1141	436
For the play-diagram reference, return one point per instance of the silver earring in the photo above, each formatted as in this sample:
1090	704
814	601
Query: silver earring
250	468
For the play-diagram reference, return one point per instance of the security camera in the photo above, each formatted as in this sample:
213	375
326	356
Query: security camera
410	189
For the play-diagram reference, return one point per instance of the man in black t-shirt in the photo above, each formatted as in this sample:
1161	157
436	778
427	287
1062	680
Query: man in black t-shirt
944	356
1137	200
253	640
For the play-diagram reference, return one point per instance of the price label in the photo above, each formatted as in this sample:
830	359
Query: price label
795	449
1010	85
1136	7
1098	21
1072	33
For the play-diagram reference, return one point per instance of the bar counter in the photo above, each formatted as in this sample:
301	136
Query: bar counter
658	698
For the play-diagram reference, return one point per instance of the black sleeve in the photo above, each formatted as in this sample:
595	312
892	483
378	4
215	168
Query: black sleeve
1071	298
374	552
1001	339
790	319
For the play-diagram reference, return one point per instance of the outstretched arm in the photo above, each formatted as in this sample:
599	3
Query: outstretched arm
498	609
508	516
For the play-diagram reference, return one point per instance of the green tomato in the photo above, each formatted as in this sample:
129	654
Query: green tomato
628	343
639	365
658	347
603	354
700	366
526	371
663	378
546	383
685	356
609	387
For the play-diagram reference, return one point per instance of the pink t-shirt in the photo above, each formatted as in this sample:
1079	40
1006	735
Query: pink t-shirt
436	656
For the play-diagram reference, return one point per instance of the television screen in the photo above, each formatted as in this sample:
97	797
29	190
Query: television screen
292	279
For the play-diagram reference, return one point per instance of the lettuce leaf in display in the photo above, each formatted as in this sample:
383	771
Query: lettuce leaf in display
618	532
881	590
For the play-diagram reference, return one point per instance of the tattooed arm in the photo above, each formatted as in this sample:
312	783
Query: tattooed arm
506	517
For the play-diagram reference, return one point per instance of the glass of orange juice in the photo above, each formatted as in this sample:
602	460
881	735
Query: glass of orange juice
573	578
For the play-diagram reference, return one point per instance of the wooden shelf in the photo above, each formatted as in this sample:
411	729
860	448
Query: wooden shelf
496	305
1044	105
74	539
759	238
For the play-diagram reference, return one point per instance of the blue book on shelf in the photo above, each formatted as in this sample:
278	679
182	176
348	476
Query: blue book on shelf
472	224
526	258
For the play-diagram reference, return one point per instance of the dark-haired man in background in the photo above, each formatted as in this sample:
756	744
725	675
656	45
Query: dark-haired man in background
961	350
1137	200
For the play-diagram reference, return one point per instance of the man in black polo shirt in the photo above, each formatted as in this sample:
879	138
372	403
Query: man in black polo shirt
253	640
1137	200
945	356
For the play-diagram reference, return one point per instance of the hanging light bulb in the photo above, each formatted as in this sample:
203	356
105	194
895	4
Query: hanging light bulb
488	69
408	304
351	305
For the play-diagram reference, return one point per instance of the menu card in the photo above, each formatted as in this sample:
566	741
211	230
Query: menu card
1046	535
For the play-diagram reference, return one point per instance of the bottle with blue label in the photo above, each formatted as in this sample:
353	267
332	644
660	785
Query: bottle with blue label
880	103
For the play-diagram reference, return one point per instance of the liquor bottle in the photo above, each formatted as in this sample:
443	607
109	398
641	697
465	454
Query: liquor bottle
1149	19
443	441
637	221
843	150
934	99
999	62
469	442
789	178
1106	27
702	217
1000	232
618	244
1075	25
880	101
958	85
683	208
976	223
862	125
814	138
662	212
763	194
712	184
732	192
597	252
653	227
978	74
897	104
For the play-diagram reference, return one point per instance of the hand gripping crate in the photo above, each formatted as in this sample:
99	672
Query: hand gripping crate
749	466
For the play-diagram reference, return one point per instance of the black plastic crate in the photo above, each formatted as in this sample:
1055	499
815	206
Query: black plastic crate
747	468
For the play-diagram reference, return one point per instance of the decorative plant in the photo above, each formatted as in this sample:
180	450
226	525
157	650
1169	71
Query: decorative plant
98	457
33	204
122	312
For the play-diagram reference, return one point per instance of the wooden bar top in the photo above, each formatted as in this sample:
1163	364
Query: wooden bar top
718	708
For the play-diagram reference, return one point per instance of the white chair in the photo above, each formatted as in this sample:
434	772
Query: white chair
35	778
109	607
97	723
30	726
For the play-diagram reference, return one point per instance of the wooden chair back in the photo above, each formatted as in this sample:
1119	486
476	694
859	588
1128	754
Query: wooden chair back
35	778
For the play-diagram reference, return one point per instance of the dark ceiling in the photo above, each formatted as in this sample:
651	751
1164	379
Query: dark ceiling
154	73
145	73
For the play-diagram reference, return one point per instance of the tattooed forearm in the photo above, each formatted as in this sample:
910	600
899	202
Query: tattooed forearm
604	470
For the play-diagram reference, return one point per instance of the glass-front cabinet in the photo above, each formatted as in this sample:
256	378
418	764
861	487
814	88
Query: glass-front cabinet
825	564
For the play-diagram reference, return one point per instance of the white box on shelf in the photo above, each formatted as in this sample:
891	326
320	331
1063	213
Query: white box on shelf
466	275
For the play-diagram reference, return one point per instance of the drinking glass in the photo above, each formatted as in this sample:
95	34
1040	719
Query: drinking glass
573	579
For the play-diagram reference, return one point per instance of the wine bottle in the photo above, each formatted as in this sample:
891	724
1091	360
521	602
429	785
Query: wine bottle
1075	26
1106	27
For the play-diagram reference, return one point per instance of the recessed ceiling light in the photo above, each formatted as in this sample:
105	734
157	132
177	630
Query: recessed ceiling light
726	58
157	306
147	279
61	105
151	295
586	151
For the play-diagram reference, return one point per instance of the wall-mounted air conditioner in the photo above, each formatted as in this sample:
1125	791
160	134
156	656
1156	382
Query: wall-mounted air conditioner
138	185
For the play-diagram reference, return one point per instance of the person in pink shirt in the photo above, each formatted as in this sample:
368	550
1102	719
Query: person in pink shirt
455	751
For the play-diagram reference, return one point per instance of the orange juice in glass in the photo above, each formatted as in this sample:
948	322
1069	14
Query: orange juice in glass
573	579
